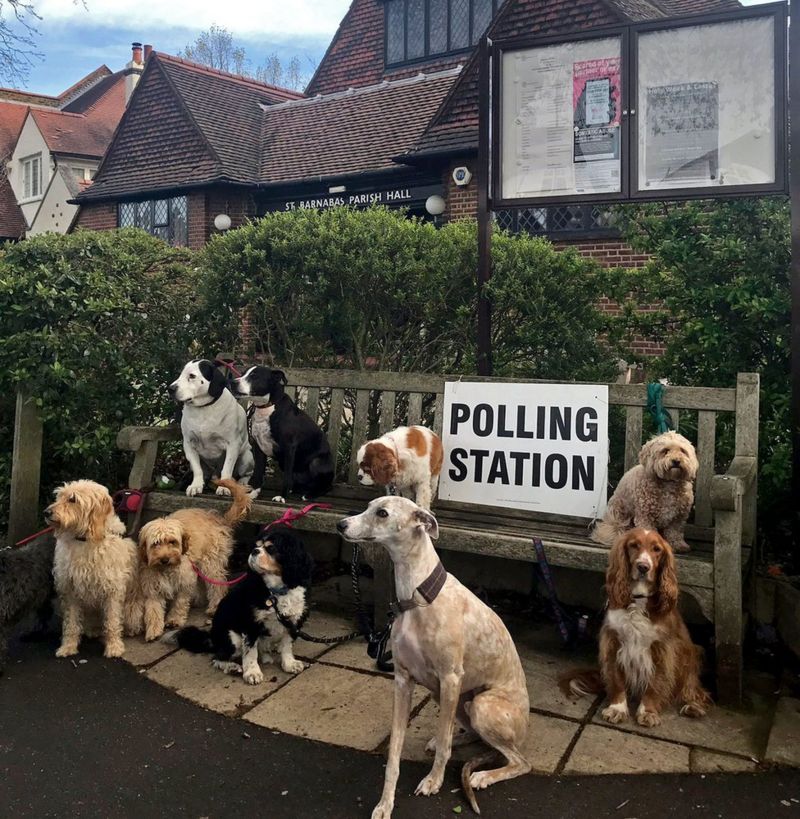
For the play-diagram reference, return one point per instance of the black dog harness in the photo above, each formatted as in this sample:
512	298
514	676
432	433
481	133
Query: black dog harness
429	590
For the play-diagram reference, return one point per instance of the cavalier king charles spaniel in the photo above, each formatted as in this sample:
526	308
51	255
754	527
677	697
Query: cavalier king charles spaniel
645	648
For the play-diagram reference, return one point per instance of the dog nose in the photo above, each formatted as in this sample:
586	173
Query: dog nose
676	462
171	388
255	551
341	525
643	568
165	561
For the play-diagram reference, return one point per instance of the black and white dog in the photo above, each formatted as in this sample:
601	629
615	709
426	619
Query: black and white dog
262	613
281	430
214	427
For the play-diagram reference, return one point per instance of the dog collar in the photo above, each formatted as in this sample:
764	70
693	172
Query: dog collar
429	590
279	592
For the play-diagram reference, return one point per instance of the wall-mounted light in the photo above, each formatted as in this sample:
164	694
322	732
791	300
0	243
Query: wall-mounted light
435	205
222	222
337	189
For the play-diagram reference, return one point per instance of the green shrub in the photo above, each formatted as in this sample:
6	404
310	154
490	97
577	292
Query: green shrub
94	325
720	275
347	288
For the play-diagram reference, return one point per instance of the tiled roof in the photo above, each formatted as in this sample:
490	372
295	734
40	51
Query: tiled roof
12	222
186	124
454	128
72	133
351	131
50	101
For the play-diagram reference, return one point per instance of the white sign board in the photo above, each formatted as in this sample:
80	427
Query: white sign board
542	447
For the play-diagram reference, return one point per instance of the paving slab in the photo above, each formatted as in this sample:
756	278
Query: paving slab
784	739
139	653
322	624
332	705
547	740
737	732
192	676
542	672
606	751
352	655
702	762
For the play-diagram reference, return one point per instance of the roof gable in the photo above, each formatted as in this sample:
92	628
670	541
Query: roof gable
157	144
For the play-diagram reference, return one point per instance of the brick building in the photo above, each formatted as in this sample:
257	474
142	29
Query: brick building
390	113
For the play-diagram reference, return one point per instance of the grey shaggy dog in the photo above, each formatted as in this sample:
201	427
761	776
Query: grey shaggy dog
26	588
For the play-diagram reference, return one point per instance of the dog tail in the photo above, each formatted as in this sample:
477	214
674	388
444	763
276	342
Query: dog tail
467	771
195	640
581	682
241	501
606	531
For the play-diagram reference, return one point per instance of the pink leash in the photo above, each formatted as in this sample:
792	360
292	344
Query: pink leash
285	519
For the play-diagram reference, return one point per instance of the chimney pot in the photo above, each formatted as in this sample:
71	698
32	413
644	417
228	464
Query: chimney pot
148	50
136	52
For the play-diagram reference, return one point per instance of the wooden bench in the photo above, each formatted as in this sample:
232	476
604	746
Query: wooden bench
355	406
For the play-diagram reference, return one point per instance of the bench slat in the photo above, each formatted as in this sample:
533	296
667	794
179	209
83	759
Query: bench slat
438	415
414	408
388	398
312	403
706	434
335	422
360	421
675	414
633	436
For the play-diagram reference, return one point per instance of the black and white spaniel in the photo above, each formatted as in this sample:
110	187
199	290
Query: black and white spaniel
262	613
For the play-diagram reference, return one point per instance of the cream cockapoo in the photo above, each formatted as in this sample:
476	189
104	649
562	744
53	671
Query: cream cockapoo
94	566
655	494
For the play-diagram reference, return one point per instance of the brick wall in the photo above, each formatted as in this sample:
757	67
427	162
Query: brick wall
461	200
97	217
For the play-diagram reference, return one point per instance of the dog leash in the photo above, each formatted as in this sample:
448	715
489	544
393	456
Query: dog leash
285	519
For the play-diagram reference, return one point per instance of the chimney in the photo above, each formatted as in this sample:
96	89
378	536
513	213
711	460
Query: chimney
133	70
148	50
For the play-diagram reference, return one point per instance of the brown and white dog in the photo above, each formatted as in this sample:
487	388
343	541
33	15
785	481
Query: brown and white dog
645	648
657	493
169	546
453	644
407	460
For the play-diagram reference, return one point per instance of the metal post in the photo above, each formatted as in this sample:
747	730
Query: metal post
484	340
794	188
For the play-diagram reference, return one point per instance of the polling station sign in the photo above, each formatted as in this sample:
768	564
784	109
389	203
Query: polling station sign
542	447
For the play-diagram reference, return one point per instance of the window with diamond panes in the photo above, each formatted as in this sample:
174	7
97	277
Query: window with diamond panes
561	221
416	29
164	218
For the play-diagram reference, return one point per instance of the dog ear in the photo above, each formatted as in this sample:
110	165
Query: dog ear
383	463
618	586
142	543
648	449
281	376
216	380
98	517
425	520
667	584
277	381
185	539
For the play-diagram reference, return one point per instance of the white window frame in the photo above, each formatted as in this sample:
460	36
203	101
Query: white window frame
27	181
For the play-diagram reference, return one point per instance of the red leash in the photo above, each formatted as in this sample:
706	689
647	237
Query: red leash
286	519
229	366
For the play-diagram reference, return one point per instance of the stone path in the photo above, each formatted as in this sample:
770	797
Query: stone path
342	700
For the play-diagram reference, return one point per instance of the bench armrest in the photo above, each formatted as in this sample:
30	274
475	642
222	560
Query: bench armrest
131	438
727	489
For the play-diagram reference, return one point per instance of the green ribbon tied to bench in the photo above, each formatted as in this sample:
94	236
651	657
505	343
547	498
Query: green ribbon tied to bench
655	406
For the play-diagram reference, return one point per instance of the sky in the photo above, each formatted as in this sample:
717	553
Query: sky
77	36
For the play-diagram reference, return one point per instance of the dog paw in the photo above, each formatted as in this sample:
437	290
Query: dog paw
253	676
264	659
480	780
67	651
223	490
693	710
254	493
227	667
194	489
114	648
648	719
279	499
383	810
293	666
149	635
175	622
615	713
429	785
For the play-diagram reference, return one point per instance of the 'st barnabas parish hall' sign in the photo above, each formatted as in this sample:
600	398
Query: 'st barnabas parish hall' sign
526	446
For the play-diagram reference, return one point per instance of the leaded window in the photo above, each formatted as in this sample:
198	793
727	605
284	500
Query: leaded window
559	221
418	29
165	218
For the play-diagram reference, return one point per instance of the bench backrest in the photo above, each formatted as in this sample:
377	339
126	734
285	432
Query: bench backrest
356	406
